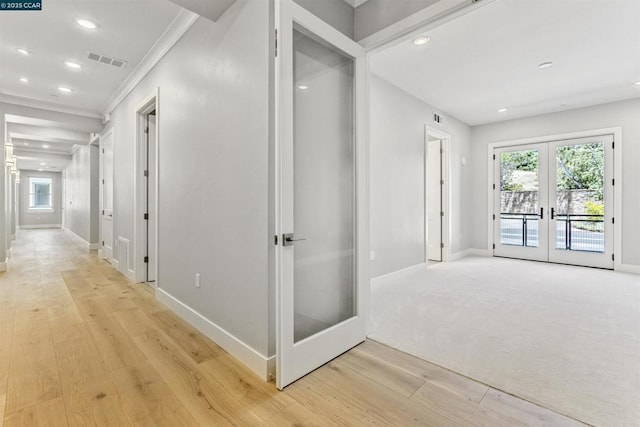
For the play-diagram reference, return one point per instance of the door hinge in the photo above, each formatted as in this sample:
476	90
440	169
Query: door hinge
441	245
103	182
275	240
146	173
146	216
494	217
103	212
103	243
613	145
442	151
494	157
103	151
442	182
613	181
494	246
613	220
276	43
146	259
146	129
613	258
441	213
494	186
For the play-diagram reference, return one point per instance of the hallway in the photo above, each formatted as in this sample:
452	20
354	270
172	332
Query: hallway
80	345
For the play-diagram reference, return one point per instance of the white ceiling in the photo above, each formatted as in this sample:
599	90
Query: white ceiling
488	59
126	30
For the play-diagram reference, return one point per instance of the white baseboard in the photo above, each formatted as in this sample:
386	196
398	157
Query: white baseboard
115	263
131	275
629	268
271	367
35	226
469	252
241	351
3	265
398	274
79	240
94	246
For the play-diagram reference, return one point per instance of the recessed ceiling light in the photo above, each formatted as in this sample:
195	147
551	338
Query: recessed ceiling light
303	87
545	65
86	23
64	89
43	164
26	143
45	146
421	41
637	83
24	80
40	170
502	110
23	51
73	65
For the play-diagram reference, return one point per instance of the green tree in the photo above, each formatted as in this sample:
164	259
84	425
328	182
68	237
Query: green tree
581	167
526	160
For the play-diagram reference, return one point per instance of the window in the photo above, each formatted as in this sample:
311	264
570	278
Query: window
40	193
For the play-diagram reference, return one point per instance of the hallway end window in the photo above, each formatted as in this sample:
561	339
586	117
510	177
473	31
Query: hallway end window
40	190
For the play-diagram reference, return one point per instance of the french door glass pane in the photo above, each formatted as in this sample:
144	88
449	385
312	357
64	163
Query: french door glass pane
580	197
519	204
324	185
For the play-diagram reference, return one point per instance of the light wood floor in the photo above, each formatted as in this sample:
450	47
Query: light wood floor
79	345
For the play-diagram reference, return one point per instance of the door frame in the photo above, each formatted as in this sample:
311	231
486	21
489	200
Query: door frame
446	191
101	193
617	174
283	131
148	104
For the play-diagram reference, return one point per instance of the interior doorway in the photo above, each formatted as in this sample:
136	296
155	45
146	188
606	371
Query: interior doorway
106	195
146	244
436	195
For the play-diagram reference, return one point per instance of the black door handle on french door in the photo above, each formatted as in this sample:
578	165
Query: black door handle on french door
552	213
541	213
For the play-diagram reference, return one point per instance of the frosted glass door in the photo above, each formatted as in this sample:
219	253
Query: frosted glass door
323	200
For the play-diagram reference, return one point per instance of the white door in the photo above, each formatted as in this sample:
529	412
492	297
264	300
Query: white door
520	204
581	201
433	192
106	160
152	258
554	202
323	203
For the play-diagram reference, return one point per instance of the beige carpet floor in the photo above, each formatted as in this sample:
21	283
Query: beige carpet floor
564	337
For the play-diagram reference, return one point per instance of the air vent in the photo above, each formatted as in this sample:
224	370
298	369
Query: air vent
438	118
118	63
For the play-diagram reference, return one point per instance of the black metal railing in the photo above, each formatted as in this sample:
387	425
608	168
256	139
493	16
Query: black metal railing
520	229
574	232
577	232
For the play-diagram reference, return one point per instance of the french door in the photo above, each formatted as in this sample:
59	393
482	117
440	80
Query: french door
322	252
553	201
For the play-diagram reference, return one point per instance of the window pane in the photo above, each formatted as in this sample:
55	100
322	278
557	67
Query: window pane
40	190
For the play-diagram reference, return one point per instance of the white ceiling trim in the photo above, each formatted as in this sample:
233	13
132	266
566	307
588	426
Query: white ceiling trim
182	22
44	105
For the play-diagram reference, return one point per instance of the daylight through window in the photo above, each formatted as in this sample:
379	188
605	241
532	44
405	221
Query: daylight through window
40	193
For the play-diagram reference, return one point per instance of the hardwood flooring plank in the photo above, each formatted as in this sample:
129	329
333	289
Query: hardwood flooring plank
199	348
50	413
115	346
437	375
95	403
518	409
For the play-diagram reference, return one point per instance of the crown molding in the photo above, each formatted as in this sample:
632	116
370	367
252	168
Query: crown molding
182	22
49	106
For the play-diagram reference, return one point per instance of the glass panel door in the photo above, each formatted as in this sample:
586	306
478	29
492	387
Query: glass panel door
581	202
520	225
323	204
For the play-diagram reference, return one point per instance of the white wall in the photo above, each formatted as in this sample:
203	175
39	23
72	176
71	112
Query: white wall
31	219
213	126
625	114
397	178
79	207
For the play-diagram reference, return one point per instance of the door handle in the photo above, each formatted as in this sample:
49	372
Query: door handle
553	213
541	213
288	239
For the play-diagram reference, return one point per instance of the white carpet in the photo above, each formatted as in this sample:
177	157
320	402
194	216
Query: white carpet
566	338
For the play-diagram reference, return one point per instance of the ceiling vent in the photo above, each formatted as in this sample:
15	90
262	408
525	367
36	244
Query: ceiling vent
118	63
438	118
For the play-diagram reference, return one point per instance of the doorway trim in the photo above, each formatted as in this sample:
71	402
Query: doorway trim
103	136
148	104
446	191
617	176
